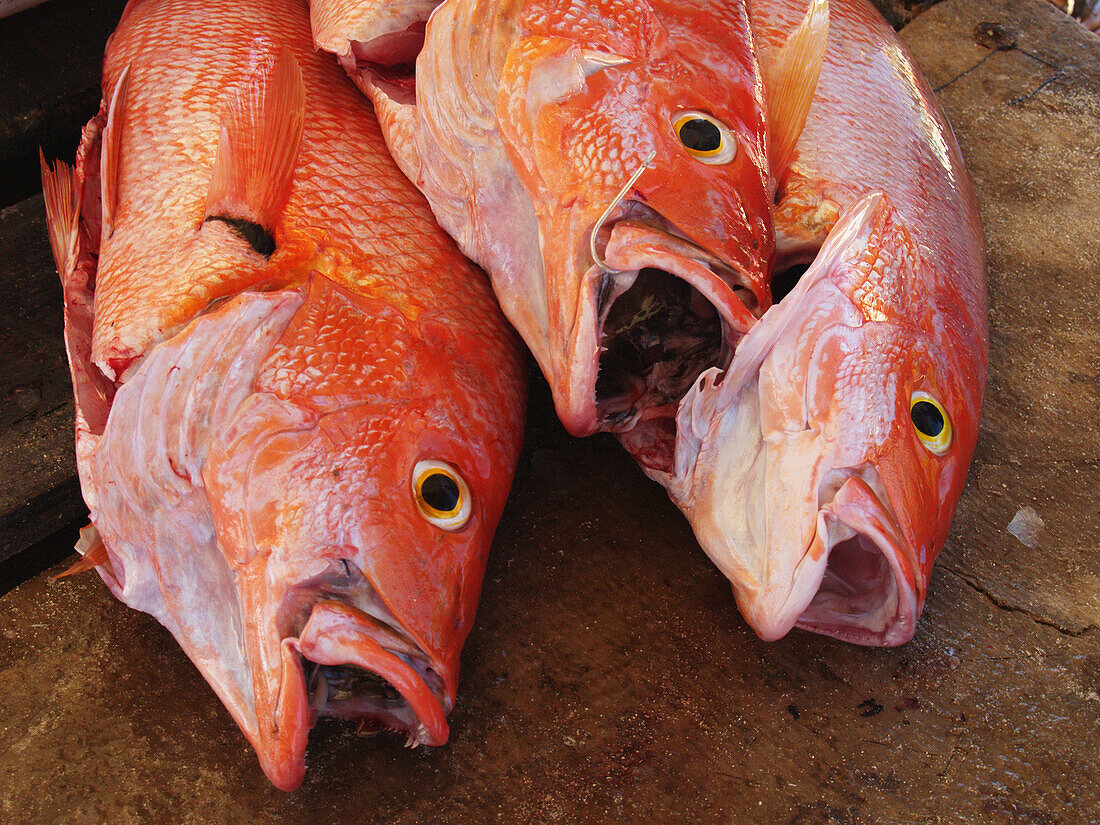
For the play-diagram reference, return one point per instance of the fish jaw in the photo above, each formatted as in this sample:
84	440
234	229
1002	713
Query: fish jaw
799	467
339	572
340	644
803	541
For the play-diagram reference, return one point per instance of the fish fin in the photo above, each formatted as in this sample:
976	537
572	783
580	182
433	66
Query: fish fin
791	73
258	144
59	189
93	554
111	147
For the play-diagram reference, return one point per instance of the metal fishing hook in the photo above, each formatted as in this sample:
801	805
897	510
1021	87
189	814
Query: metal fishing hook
600	262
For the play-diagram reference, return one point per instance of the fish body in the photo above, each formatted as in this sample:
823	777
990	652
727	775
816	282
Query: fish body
298	406
775	389
850	412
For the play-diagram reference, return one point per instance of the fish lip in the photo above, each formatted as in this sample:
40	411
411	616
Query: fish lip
856	521
337	634
633	239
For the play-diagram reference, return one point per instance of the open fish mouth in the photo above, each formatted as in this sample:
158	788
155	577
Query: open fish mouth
857	580
350	658
354	667
667	311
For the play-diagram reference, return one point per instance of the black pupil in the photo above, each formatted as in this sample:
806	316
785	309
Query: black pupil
700	135
440	492
927	418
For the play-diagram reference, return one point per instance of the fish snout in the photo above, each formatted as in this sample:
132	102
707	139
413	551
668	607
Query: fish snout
866	574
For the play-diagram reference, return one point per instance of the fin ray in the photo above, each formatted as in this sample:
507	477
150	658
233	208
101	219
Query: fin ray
93	554
111	148
791	73
258	146
62	197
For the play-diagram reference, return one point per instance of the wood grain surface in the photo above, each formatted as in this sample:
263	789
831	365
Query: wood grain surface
609	677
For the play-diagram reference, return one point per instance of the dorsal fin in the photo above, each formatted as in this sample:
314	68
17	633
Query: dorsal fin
258	146
112	143
791	73
62	213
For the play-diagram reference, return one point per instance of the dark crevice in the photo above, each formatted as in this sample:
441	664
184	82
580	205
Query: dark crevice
1012	608
784	280
658	336
258	238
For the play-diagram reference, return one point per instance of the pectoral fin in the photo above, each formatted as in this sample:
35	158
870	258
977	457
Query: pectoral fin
791	73
257	148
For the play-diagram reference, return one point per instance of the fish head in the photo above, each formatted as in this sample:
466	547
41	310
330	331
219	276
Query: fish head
638	131
355	494
822	470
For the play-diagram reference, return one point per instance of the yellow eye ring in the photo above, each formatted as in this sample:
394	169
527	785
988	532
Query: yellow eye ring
704	138
441	495
931	422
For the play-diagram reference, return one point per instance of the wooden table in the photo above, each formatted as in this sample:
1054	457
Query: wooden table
609	677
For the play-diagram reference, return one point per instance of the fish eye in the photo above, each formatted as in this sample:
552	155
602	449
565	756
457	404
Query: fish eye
441	494
704	138
931	422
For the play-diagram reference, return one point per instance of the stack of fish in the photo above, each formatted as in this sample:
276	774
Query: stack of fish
738	235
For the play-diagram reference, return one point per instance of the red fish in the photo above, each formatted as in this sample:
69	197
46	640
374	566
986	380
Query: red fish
298	406
818	451
849	414
527	135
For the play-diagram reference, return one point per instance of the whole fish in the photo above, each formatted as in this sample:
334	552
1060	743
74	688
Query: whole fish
849	414
819	451
298	406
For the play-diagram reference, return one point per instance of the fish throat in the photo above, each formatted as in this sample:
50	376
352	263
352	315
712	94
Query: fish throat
668	311
657	337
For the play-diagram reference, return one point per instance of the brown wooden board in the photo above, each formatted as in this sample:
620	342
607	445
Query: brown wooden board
609	677
50	59
38	488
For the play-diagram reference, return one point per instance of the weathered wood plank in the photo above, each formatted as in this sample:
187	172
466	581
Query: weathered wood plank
38	489
1027	120
50	59
609	677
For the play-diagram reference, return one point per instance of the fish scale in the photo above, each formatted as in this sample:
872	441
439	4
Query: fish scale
252	428
332	373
